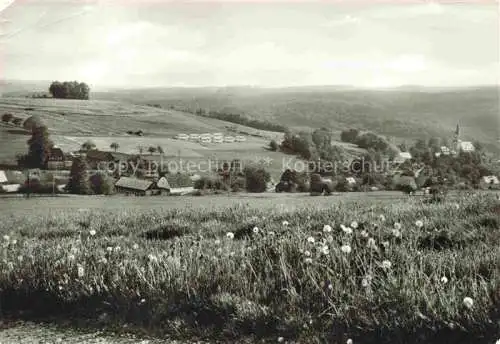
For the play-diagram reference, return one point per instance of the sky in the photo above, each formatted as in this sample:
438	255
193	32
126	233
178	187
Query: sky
150	43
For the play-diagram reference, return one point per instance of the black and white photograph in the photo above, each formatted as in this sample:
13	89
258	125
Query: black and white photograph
225	171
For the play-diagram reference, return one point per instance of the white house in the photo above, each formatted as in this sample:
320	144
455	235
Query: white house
163	183
351	180
240	138
466	146
489	182
3	177
402	157
445	150
229	139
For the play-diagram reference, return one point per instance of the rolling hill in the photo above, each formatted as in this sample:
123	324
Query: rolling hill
406	113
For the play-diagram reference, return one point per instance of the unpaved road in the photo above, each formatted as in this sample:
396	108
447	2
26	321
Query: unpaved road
31	333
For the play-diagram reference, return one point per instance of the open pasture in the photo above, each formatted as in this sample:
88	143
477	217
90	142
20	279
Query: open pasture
393	271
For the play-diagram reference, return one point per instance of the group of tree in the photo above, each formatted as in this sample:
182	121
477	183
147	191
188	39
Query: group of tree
368	140
69	90
39	145
10	118
82	184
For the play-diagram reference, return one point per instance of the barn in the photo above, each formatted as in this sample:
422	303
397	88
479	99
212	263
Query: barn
135	186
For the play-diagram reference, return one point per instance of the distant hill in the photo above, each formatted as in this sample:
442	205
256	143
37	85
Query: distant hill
406	113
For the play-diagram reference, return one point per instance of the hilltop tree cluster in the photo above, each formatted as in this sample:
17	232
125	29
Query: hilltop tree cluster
69	90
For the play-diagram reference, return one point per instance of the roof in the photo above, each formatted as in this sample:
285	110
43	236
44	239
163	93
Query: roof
134	183
55	151
99	155
11	187
351	180
163	183
405	155
3	177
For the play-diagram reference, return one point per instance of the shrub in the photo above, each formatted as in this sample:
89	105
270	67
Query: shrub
273	146
101	184
256	179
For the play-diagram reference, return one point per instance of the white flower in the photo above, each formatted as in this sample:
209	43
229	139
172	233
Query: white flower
346	249
385	244
419	223
281	339
71	257
285	223
381	217
444	280
153	258
371	243
364	234
347	230
327	228
457	206
271	233
310	240
468	302
386	264
365	283
117	248
498	342
81	271
20	258
308	217
109	249
397	225
92	232
6	238
255	230
325	250
396	233
13	242
329	239
349	341
135	247
103	260
217	242
308	260
354	224
307	253
330	286
230	235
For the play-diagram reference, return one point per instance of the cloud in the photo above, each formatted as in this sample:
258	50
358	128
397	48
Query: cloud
345	20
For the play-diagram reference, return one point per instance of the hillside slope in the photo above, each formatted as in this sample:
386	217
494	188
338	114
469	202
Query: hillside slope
405	113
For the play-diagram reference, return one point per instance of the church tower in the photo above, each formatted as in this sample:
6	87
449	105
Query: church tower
456	138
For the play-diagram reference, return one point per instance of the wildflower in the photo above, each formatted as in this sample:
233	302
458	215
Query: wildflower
13	242
444	280
371	243
152	258
354	224
364	234
310	240
330	286
457	206
346	249
10	266
349	341
285	223
329	239
217	242
325	250
230	235
347	230
385	244
109	249
419	223
308	260
71	257
281	339
327	228
103	260
468	302
307	253
365	283
381	217
270	233
386	264
255	230
117	248
80	271
20	258
135	247
60	287
6	238
396	233
397	225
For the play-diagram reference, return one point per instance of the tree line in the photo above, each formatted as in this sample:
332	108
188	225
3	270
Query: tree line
69	90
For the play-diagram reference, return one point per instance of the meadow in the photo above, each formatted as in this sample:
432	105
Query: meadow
394	271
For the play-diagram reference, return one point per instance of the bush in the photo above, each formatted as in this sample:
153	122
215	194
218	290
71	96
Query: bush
101	184
256	179
273	146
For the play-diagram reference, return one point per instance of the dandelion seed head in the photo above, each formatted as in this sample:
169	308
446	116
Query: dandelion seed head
255	230
308	260
285	223
230	235
307	253
364	234
6	238
354	224
396	233
329	239
468	302
327	228
92	232
346	249
311	240
386	264
419	223
347	230
397	225
444	280
381	217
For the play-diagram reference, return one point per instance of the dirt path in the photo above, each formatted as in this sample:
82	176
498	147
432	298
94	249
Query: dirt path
31	333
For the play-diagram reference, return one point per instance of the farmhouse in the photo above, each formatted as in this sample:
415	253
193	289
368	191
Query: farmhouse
351	181
489	182
466	146
10	181
135	186
58	160
402	157
3	177
97	158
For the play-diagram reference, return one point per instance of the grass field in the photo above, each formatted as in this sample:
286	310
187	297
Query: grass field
386	271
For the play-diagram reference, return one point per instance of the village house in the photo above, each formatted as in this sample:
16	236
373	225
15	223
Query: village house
11	181
489	182
58	160
137	187
99	160
402	157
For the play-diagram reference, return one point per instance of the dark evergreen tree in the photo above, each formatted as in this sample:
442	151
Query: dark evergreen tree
39	148
79	179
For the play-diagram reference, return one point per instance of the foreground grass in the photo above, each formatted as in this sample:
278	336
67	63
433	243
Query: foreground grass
223	274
